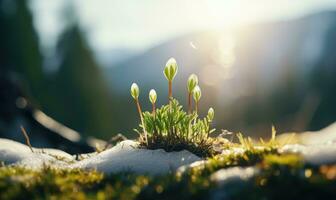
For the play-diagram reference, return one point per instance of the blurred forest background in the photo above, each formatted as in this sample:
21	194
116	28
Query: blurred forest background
281	73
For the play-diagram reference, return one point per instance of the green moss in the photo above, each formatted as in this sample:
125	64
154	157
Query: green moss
17	182
290	160
288	181
281	176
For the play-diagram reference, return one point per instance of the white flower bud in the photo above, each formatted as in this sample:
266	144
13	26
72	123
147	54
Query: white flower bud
211	114
135	91
171	69
192	82
197	93
152	96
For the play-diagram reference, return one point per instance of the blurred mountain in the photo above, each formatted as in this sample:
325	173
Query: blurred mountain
278	73
109	58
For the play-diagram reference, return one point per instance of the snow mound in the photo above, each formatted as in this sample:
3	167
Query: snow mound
125	156
318	147
197	164
326	135
234	175
314	154
12	152
315	147
224	176
40	160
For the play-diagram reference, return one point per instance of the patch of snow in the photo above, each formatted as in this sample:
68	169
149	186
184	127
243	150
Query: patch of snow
55	153
237	176
233	151
12	152
224	176
317	147
198	164
125	156
40	160
314	154
324	136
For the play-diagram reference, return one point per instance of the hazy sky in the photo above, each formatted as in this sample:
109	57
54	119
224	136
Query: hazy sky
142	24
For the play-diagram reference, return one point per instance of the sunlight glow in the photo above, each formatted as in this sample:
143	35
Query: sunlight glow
143	24
223	61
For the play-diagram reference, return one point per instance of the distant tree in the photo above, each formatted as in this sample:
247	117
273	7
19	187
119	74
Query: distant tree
81	97
19	48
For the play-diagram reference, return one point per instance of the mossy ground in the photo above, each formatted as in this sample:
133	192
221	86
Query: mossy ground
280	177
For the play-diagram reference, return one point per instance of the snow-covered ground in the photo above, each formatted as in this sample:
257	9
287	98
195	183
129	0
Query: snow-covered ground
318	147
12	152
125	156
223	176
315	147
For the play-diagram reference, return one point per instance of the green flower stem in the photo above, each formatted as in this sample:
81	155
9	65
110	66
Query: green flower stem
170	90
189	102
153	109
141	118
170	94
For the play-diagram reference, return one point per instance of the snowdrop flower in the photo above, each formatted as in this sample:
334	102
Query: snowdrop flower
171	69
211	114
152	99
197	96
170	72
197	93
135	91
192	82
152	96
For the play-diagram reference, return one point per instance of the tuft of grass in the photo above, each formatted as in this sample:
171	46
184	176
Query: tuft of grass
273	143
170	127
173	129
246	142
